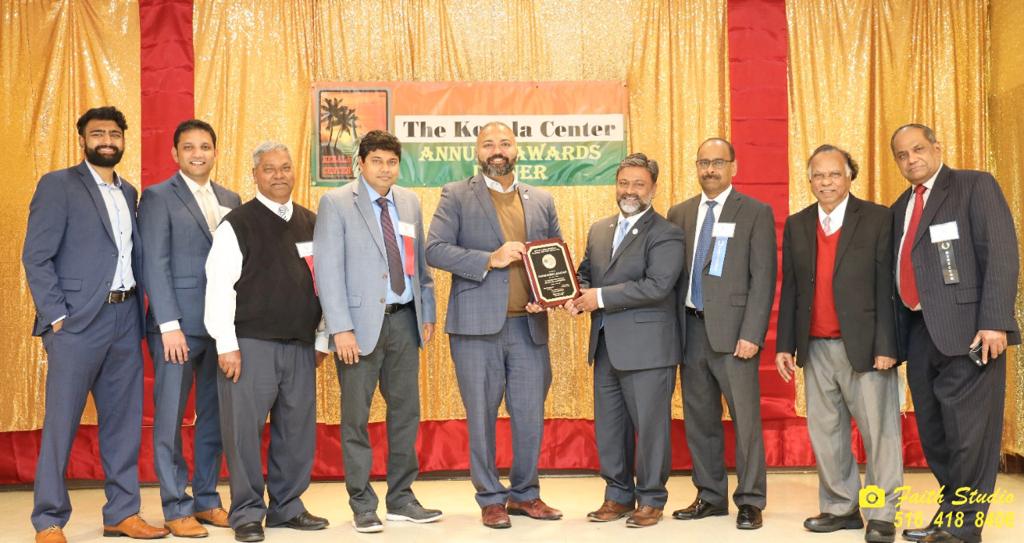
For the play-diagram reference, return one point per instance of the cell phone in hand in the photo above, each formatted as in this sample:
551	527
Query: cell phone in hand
975	354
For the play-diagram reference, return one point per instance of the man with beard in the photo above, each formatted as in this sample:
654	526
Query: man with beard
724	305
177	218
262	310
498	337
628	278
83	258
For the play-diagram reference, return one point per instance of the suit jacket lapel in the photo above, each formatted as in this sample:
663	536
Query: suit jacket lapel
808	223
480	189
85	176
183	193
848	230
631	234
531	214
931	207
365	207
601	254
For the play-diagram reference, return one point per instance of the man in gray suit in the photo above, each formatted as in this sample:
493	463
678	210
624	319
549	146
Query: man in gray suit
498	337
836	315
177	219
83	263
956	275
628	278
378	301
724	304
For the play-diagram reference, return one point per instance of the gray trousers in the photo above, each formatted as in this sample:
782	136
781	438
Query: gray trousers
395	363
834	392
633	424
707	376
278	378
505	365
171	385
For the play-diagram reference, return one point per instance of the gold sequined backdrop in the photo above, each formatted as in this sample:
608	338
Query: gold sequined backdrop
854	65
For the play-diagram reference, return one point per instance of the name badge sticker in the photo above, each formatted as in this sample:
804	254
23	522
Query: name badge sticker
724	230
946	231
305	248
407	229
718	254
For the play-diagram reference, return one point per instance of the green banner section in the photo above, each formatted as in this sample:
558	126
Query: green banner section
539	164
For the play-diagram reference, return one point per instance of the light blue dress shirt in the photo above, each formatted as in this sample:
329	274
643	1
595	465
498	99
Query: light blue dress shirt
390	297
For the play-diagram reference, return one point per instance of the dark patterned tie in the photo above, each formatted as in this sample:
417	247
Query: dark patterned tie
391	248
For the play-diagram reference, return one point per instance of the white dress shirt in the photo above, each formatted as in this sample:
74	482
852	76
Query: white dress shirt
194	188
702	211
835	219
496	186
223	269
630	221
906	222
121	223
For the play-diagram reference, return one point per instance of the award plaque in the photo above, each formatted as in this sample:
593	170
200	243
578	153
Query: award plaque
551	272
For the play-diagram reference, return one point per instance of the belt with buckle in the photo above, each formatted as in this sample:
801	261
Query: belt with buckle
120	296
695	312
391	309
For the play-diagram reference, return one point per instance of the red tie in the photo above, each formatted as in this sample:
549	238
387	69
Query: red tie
908	284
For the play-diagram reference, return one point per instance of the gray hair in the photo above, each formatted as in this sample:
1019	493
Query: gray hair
640	160
267	147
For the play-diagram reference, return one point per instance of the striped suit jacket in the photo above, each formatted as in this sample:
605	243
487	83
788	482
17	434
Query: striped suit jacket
986	255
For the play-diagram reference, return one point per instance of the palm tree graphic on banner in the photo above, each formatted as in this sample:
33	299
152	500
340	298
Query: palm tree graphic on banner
337	154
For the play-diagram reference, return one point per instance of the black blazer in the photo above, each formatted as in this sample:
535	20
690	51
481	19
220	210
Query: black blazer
862	283
986	255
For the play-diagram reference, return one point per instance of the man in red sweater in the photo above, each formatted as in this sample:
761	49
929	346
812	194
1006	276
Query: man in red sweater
836	316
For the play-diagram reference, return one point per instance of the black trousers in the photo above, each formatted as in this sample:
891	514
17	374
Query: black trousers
959	409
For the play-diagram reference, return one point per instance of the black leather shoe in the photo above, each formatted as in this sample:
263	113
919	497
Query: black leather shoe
749	517
303	521
827	522
917	534
249	532
941	536
700	509
880	531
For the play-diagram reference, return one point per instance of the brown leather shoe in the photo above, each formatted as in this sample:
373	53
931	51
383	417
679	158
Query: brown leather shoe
610	510
535	509
135	528
186	527
644	516
215	517
495	516
53	534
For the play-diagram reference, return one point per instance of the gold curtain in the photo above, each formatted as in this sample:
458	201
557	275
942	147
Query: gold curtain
255	61
1006	159
858	69
57	59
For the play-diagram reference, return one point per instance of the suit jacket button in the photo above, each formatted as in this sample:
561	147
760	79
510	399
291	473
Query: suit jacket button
384	276
382	300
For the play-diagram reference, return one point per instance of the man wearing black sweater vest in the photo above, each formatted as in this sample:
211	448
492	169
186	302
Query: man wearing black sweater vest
263	311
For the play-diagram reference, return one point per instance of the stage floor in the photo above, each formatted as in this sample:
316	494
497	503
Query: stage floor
791	498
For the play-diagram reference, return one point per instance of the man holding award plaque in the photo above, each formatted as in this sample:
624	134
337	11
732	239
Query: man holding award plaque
629	273
498	337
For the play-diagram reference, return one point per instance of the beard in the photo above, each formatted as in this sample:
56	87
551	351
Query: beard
630	205
96	159
491	168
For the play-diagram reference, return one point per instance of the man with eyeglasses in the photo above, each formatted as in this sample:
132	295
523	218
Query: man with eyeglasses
836	316
725	300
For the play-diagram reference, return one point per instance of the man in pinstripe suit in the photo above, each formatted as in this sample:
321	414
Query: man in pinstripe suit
498	338
956	274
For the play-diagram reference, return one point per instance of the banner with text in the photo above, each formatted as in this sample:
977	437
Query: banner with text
568	133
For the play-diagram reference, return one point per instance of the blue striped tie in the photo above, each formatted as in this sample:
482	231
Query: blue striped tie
701	255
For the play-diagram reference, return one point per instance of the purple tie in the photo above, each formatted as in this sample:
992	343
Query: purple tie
391	248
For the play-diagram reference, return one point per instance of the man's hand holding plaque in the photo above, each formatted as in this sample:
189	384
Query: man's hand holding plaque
551	273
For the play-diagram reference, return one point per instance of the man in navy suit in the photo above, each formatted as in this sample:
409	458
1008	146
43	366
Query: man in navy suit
83	258
176	219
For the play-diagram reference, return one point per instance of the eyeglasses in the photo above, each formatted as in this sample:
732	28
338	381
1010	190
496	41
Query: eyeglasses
718	163
832	176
